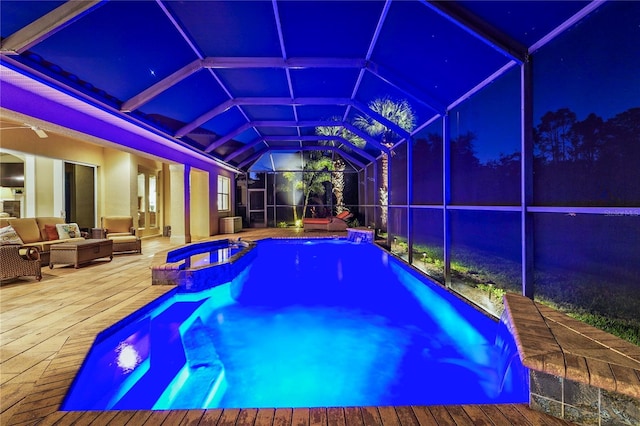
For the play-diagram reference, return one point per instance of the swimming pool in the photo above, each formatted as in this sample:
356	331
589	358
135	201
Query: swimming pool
306	323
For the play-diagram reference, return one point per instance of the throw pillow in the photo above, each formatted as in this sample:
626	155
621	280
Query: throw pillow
51	231
8	235
68	230
343	214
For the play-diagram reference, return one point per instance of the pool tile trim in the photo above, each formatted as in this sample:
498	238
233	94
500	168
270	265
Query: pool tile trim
575	353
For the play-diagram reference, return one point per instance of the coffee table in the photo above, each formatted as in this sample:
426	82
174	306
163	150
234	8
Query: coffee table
80	252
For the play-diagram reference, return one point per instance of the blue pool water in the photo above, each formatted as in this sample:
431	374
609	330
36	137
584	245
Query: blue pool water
199	255
306	323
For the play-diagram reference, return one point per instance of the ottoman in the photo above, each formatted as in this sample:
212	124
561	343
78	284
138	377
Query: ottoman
79	252
126	243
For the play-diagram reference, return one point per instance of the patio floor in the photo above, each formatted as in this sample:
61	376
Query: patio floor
47	327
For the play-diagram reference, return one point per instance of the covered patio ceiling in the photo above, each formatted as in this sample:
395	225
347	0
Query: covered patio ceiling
234	80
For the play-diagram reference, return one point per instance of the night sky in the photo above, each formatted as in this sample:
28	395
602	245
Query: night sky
584	70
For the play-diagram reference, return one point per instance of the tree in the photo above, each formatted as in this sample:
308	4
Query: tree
294	183
339	132
554	135
620	156
463	152
588	139
398	112
337	183
337	176
623	136
316	173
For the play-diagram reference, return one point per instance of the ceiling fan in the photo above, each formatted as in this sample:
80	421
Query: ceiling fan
38	131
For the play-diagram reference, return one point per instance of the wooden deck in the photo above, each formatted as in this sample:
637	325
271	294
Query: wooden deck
47	327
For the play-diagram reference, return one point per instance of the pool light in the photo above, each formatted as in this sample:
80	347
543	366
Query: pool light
128	357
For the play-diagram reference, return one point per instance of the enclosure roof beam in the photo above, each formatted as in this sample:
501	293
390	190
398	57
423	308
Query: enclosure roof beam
340	152
327	123
244	149
278	21
480	29
312	138
288	101
254	124
184	33
252	159
146	95
276	62
209	115
44	27
381	119
569	23
291	123
291	101
232	62
411	91
360	133
226	138
372	45
287	123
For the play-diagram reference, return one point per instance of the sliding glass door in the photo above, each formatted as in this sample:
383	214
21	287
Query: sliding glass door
147	202
79	195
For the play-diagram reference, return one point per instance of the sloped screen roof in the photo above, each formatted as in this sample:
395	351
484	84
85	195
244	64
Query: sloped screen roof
237	79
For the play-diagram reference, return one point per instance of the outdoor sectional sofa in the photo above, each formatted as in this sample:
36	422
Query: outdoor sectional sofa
33	233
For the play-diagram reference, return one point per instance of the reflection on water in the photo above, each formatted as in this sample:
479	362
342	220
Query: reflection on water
211	257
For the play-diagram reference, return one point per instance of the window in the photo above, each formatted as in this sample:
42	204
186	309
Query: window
224	185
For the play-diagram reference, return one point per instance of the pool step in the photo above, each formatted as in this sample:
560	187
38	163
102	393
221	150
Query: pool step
203	387
200	383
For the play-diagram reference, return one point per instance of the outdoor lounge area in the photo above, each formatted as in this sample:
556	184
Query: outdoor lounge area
491	148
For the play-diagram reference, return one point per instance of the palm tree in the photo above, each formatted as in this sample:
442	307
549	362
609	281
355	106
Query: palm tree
398	112
339	131
337	176
337	183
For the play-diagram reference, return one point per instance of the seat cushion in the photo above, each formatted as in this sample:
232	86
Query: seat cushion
27	228
45	246
316	221
123	238
119	234
117	224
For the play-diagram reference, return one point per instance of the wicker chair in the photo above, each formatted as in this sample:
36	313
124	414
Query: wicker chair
13	265
120	229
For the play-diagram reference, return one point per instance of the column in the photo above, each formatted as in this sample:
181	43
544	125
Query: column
180	203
